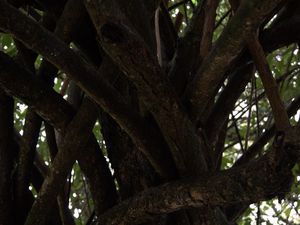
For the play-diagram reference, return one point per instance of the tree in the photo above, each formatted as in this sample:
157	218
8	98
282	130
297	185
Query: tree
149	112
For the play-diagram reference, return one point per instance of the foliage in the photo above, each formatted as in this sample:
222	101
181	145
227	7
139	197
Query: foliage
247	121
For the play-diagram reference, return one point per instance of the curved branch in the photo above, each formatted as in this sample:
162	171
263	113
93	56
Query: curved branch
77	135
87	77
55	110
227	100
238	185
127	48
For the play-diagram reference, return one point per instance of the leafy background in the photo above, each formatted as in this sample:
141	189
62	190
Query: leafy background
250	118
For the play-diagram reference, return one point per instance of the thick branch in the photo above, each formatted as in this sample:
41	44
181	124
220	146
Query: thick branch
66	28
247	19
31	131
34	92
280	115
54	109
285	32
271	39
26	156
86	76
128	50
78	133
136	12
187	54
238	185
209	26
7	158
239	78
226	102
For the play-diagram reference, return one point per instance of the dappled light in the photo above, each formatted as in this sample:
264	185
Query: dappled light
161	112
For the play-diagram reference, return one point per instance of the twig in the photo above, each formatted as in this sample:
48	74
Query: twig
237	132
257	109
222	19
176	5
261	95
185	14
256	147
249	116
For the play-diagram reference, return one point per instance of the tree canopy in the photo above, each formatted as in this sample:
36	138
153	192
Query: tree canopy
171	112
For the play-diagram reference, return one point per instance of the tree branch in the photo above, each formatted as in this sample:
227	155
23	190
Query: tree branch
42	98
127	49
42	41
231	42
186	57
257	146
285	32
77	135
238	185
226	101
208	27
280	115
7	158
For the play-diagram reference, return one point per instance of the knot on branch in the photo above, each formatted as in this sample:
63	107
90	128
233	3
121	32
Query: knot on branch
112	33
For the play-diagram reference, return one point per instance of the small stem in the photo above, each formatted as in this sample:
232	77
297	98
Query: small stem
237	132
249	117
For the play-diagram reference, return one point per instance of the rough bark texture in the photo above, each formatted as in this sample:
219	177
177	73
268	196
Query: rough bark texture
165	101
